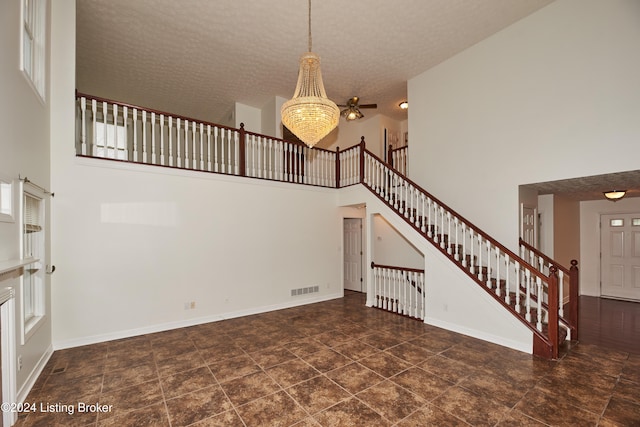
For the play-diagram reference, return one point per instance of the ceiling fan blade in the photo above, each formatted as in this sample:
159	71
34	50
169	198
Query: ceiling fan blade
368	106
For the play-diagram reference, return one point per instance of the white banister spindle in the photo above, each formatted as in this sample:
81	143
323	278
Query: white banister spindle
83	126
539	308
456	224
105	146
187	151
136	148
480	269
202	146
507	279
163	150
527	302
125	111
172	159
145	154
498	287
442	228
449	249
561	293
179	160
517	276
155	157
488	278
194	154
223	166
464	246
472	260
115	132
209	166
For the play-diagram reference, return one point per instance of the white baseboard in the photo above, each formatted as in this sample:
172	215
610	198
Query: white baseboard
77	342
516	345
33	375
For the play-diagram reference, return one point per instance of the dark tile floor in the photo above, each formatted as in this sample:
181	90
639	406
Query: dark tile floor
335	363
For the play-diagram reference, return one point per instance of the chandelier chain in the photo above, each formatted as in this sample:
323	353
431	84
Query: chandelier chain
310	27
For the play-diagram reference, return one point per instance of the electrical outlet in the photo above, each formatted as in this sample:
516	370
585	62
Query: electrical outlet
192	305
19	363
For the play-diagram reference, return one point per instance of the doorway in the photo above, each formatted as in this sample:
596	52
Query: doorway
620	256
353	277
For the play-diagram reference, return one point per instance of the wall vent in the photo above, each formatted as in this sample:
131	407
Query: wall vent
304	291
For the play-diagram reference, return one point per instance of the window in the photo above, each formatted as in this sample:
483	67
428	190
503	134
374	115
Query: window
616	223
33	247
6	200
33	43
635	222
111	141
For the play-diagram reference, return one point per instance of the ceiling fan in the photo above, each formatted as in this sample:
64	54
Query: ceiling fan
352	109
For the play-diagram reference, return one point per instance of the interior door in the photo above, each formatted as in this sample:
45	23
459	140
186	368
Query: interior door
620	256
528	225
353	254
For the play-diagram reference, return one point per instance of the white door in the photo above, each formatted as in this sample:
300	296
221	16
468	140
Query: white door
353	254
528	223
620	256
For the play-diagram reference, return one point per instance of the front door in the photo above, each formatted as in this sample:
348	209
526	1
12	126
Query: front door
353	254
620	256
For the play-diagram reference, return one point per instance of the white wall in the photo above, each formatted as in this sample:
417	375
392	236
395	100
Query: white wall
454	301
545	209
589	262
140	242
24	151
250	116
547	98
392	248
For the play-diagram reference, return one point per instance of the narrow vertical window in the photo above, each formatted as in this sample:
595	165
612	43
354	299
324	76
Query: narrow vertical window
33	248
33	43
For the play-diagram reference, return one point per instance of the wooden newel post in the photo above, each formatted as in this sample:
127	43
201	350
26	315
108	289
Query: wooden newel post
362	148
574	291
337	167
553	311
242	151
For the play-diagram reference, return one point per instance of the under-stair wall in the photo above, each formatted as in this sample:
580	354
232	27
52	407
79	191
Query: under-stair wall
453	300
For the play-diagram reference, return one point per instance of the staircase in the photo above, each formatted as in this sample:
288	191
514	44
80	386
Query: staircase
526	286
520	287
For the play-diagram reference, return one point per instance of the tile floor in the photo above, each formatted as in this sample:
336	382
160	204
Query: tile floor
335	363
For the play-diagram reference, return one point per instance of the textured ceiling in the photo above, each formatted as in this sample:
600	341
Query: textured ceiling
592	187
198	57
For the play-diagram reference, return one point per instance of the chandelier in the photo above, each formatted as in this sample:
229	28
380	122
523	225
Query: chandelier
310	115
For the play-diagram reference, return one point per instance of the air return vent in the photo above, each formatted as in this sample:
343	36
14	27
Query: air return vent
304	291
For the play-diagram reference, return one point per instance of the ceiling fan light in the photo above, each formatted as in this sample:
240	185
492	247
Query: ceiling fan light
615	195
404	105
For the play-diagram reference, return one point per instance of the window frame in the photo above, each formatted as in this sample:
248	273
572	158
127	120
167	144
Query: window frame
33	29
32	281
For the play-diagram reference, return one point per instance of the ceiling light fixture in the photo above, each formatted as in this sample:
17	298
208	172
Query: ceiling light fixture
404	105
615	195
310	115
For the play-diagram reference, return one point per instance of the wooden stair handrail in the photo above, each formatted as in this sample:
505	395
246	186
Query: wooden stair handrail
574	285
543	345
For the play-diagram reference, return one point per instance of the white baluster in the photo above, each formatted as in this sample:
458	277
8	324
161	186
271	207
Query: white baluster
216	158
116	145
209	147
179	160
194	154
517	285
94	112
527	304
539	288
472	244
456	255
136	149
507	279
480	269
449	249
145	154
442	228
488	278
172	160
464	245
202	161
154	148
163	155
125	112
561	293
83	126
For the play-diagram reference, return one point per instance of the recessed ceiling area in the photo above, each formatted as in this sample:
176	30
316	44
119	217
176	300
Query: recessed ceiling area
197	58
591	187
